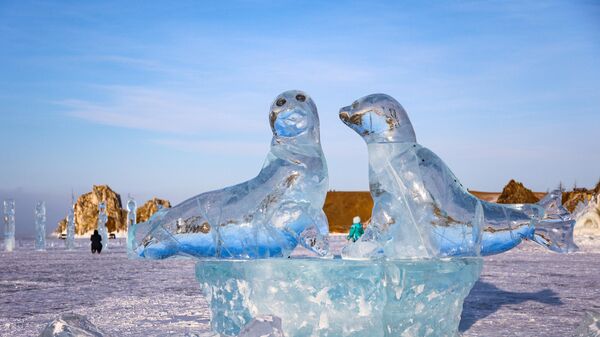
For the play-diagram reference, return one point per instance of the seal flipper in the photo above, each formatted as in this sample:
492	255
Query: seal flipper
555	230
310	234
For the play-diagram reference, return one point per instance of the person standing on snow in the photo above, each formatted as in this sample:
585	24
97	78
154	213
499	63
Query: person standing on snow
356	230
96	242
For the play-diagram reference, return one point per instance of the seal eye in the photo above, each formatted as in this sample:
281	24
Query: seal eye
355	105
280	102
300	98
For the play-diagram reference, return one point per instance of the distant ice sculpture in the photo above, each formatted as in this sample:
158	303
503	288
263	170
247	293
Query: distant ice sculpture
587	217
263	217
70	240
40	225
334	297
102	220
9	225
422	210
131	212
71	325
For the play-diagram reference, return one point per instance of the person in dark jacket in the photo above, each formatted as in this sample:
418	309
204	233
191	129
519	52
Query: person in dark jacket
96	242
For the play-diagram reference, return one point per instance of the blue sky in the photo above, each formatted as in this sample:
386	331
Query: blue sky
171	98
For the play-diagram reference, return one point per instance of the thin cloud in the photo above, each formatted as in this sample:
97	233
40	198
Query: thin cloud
165	111
217	147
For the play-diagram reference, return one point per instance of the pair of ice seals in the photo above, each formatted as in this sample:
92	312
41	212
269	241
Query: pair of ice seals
420	208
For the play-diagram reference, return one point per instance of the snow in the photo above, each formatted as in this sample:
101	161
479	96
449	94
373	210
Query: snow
525	292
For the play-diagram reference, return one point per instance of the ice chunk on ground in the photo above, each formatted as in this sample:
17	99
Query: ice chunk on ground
590	326
71	325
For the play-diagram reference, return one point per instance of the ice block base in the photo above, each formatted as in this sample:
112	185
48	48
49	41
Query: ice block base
335	297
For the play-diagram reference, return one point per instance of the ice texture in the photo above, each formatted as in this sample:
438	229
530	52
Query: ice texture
40	225
267	216
131	212
70	239
421	210
71	325
587	216
334	297
590	326
102	220
9	225
263	326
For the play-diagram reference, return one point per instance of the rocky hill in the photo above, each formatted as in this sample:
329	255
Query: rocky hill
515	193
86	211
150	207
341	207
577	195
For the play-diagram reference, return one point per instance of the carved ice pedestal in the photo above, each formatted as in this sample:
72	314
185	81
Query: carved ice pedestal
334	297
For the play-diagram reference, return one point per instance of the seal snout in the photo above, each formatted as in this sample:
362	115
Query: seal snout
344	114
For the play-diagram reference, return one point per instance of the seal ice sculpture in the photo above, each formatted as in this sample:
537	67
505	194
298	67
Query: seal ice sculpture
422	210
264	217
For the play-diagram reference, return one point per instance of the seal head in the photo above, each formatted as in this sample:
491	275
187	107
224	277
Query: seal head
379	118
294	118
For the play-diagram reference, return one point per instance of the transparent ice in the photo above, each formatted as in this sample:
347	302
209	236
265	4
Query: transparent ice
590	326
9	225
260	218
334	297
40	225
71	325
421	210
70	239
102	220
263	326
131	212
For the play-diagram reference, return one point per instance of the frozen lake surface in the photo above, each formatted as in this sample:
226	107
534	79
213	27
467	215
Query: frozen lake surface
525	292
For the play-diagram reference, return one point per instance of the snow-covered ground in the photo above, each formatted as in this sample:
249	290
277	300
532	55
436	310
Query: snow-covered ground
525	292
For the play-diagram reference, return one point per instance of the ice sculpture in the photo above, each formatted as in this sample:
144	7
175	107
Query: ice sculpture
263	217
334	297
9	225
422	210
70	240
40	226
102	220
587	217
131	212
71	325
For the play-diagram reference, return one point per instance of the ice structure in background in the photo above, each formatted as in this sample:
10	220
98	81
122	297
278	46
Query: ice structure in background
9	225
131	212
422	210
70	239
587	217
102	220
267	216
40	225
334	297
